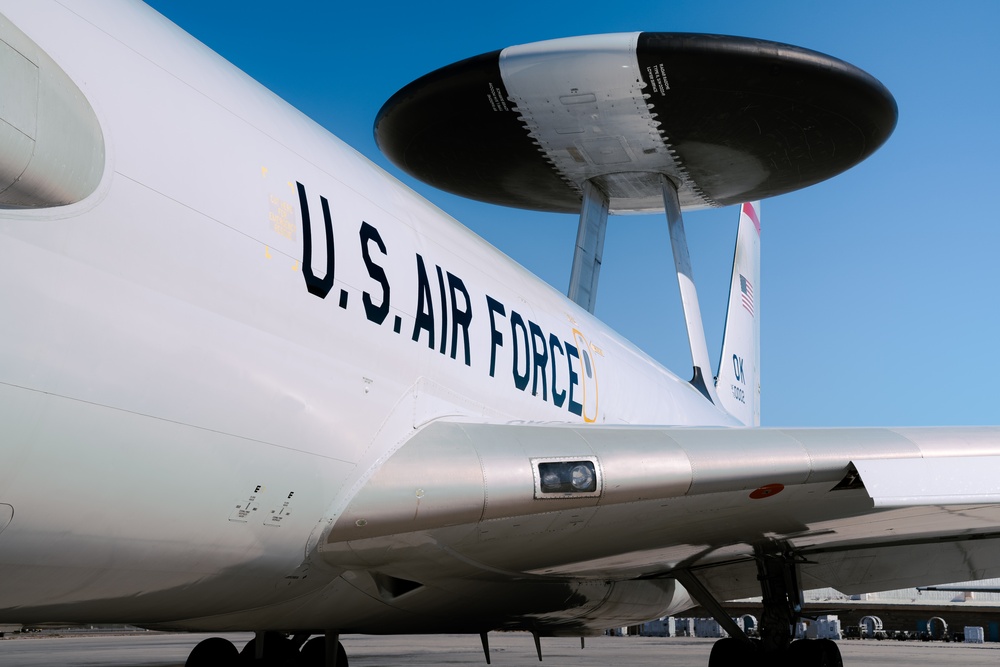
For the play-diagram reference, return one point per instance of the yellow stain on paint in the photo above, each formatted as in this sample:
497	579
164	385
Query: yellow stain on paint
263	172
295	265
267	252
290	185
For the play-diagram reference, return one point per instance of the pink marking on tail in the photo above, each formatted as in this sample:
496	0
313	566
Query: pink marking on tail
749	211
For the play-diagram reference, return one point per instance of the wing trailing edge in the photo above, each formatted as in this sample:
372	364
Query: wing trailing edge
952	480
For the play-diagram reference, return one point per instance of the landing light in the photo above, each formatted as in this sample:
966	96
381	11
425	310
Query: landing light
560	478
582	477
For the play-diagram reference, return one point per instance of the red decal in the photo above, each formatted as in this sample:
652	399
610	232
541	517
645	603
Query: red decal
766	491
752	214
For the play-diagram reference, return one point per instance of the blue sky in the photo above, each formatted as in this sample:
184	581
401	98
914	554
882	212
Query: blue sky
878	294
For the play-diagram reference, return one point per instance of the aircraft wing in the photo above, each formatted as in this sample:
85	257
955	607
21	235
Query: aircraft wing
860	509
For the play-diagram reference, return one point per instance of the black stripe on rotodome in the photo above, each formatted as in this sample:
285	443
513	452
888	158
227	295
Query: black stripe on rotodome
751	119
450	129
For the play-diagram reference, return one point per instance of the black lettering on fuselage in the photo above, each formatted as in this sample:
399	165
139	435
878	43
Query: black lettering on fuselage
444	311
574	379
558	397
317	286
424	320
460	317
537	357
496	338
540	357
375	313
517	322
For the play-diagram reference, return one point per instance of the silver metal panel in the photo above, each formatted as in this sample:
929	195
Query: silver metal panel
830	447
506	456
599	122
437	484
646	464
745	459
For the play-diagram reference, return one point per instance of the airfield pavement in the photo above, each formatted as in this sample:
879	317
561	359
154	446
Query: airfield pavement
170	650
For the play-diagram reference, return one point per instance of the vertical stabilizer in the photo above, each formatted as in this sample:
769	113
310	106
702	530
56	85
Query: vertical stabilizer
738	383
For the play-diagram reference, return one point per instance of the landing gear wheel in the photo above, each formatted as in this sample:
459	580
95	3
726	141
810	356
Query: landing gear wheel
313	654
213	652
830	653
814	653
731	652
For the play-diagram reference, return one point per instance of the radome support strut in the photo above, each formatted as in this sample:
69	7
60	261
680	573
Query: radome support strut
586	269
689	294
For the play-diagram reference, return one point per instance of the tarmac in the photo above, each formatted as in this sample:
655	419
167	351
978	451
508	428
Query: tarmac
170	650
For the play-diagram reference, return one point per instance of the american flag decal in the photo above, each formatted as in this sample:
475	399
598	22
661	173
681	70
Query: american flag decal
746	291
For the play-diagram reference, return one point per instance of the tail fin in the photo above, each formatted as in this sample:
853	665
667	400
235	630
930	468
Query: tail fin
738	383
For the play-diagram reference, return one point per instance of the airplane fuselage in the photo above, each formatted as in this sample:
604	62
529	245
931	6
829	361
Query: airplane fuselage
249	381
195	380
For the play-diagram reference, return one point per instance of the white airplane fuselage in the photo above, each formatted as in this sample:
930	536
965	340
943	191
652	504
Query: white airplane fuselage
249	381
180	410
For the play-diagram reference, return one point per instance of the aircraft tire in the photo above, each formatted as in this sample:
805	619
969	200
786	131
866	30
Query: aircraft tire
313	654
730	652
814	653
213	652
831	653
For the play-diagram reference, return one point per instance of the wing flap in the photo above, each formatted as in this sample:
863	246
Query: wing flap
954	480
